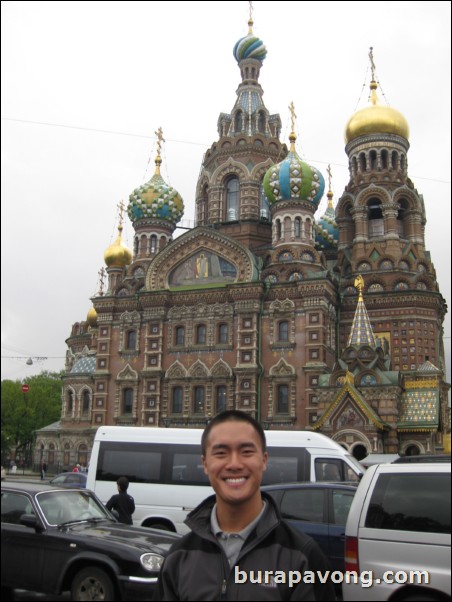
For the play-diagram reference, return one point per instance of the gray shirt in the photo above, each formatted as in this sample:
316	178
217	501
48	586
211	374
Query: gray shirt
232	542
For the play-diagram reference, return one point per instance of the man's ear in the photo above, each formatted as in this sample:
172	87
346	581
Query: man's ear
265	460
203	459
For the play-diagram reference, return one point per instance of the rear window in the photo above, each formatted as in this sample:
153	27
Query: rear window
411	502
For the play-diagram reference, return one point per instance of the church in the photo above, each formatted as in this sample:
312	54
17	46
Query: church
328	322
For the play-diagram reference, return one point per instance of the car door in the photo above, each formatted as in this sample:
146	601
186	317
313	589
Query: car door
306	510
22	552
339	503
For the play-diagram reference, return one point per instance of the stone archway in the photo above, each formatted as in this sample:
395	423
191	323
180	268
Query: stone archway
359	451
354	441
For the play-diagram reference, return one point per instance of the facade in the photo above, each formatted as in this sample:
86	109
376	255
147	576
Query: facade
330	322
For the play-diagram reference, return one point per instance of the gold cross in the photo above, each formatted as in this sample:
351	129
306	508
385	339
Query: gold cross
372	64
292	115
160	139
330	175
101	281
121	209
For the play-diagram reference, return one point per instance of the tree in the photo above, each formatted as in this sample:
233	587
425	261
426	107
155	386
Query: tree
24	413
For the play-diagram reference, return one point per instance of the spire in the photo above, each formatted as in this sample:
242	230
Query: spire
292	136
158	159
250	20
330	192
361	333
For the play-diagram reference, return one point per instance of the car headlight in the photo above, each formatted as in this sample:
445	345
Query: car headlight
151	562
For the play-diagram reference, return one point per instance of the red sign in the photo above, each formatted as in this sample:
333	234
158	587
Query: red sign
25	388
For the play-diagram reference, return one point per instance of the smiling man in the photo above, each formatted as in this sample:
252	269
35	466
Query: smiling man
239	548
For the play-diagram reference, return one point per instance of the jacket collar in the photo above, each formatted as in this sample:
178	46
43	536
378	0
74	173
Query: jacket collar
199	519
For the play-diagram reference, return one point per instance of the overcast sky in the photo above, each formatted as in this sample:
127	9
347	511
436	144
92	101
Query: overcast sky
86	84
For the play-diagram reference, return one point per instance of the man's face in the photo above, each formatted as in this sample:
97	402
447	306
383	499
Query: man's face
234	461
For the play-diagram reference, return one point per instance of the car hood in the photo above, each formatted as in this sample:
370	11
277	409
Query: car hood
148	540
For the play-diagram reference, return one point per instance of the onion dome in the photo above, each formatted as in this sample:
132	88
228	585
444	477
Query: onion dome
91	317
326	230
293	179
156	200
250	47
376	119
117	254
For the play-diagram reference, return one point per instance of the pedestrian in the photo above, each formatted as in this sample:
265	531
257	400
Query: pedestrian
43	471
239	548
76	468
3	473
122	503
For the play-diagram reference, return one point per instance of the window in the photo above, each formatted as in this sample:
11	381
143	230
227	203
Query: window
176	403
180	335
127	401
232	199
201	332
223	334
85	406
399	503
221	399
283	331
297	227
131	340
199	395
70	402
283	399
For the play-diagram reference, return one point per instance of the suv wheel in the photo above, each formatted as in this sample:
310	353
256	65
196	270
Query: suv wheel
92	584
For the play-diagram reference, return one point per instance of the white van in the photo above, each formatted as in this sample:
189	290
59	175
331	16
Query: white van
167	478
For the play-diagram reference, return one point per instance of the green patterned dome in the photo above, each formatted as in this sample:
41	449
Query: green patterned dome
293	179
250	47
326	230
156	200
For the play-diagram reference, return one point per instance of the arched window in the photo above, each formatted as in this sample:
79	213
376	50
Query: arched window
401	220
222	334
127	401
297	227
131	339
261	122
70	402
201	334
220	401
85	402
153	244
176	402
239	121
283	331
180	335
265	207
375	217
384	159
283	399
198	399
232	199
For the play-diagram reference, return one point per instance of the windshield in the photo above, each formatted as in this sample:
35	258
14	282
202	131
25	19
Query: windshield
61	507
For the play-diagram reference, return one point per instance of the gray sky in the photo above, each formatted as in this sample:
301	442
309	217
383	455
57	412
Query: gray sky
86	84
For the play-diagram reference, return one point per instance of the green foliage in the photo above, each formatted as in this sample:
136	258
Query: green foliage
24	413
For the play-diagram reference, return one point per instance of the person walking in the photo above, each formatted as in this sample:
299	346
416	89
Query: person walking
43	470
122	502
239	548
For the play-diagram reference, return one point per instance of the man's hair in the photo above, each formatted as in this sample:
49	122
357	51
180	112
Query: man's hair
232	416
123	483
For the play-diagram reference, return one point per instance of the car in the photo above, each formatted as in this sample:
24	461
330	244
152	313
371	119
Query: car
399	525
56	540
70	479
319	510
422	459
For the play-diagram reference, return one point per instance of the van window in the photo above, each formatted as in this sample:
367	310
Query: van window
333	470
411	502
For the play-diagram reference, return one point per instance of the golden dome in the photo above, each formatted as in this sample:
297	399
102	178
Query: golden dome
376	119
91	317
118	255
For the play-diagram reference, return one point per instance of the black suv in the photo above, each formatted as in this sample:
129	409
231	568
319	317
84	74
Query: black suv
56	540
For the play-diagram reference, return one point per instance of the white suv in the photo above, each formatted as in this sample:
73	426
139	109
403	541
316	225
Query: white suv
399	522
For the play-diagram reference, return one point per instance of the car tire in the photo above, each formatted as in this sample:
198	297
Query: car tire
92	583
7	593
